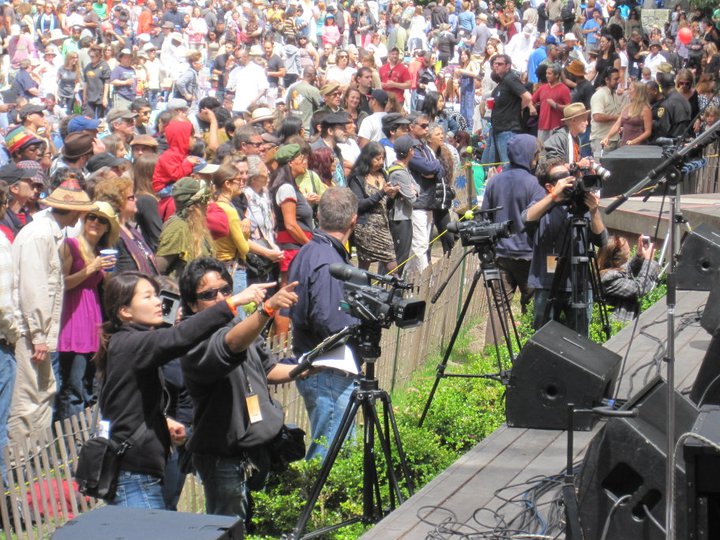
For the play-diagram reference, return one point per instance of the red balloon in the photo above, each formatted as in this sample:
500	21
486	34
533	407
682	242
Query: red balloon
685	35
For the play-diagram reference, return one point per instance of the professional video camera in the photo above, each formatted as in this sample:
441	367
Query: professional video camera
379	305
475	232
587	180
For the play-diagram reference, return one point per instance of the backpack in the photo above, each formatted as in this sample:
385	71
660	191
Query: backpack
567	13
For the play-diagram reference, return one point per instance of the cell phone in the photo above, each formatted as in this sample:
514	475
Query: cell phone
170	306
645	241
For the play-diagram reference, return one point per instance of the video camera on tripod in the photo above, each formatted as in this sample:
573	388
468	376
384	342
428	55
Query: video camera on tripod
378	305
480	231
587	180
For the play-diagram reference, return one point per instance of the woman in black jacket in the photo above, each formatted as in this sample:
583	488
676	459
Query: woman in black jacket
368	182
133	348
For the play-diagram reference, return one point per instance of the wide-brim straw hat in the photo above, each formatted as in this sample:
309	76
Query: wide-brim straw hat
69	196
574	110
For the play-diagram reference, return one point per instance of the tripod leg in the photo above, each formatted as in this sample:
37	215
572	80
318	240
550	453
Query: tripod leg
390	420
448	351
384	438
345	425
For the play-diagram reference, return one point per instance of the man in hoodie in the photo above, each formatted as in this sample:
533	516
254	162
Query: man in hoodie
173	164
513	190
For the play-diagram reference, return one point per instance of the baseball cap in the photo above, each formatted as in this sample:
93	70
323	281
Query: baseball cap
82	123
403	145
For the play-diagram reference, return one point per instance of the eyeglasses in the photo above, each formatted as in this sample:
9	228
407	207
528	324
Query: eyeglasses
342	56
211	294
684	83
94	217
335	94
423	126
255	144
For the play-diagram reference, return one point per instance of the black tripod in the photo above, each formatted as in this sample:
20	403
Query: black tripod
365	399
577	251
495	293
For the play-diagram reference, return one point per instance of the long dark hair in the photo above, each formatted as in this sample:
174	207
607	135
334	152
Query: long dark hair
363	165
119	292
430	105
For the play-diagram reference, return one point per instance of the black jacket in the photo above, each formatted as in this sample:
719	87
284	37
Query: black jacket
133	392
219	382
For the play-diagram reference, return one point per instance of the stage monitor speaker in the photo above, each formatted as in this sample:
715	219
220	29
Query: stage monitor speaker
622	479
706	388
699	260
702	474
558	366
116	523
628	165
710	320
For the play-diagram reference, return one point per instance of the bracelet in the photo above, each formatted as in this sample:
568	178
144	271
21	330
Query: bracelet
266	310
232	307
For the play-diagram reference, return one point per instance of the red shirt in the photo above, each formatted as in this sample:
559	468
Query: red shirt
549	118
399	74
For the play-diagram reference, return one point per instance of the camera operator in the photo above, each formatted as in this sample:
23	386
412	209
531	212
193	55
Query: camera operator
548	225
227	376
514	189
316	316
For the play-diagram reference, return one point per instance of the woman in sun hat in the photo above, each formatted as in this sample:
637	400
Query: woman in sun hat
84	268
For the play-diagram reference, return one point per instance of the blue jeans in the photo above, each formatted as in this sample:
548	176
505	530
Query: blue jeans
239	280
225	485
77	374
561	307
326	397
136	490
8	368
501	140
174	478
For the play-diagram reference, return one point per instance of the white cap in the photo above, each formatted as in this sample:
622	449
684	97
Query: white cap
570	37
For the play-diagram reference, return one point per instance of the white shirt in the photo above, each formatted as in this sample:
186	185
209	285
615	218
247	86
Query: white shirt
248	82
341	76
371	127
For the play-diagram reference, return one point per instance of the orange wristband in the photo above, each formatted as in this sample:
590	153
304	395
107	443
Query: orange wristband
232	307
268	311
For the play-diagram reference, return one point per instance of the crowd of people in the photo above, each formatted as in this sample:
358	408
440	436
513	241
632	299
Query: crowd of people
203	147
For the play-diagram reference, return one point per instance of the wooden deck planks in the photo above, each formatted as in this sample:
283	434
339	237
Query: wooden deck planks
513	455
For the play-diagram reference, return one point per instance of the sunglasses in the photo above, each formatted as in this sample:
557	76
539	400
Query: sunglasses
211	294
423	126
684	83
94	217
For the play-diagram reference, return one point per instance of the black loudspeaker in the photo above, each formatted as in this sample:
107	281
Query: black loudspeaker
711	314
112	522
702	474
699	260
706	388
622	480
628	165
557	366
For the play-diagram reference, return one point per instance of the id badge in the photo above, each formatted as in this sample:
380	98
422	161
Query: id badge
253	407
551	263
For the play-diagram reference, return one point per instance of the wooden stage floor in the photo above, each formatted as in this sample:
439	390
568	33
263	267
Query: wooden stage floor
512	456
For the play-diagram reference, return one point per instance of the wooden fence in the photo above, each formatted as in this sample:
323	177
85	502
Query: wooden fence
41	495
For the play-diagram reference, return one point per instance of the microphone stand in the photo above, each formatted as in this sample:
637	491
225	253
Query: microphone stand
668	174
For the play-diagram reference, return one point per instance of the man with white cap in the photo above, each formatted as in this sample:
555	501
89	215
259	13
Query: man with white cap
520	46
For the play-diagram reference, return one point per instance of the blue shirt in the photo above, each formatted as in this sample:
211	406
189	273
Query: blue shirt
317	314
536	58
592	38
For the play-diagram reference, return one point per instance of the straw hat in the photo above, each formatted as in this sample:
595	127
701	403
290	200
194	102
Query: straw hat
69	196
261	114
104	209
574	110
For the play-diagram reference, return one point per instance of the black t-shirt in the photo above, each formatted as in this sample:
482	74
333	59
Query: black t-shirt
274	63
601	65
582	93
506	111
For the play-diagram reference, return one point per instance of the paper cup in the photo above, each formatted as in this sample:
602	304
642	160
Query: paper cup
490	103
109	253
